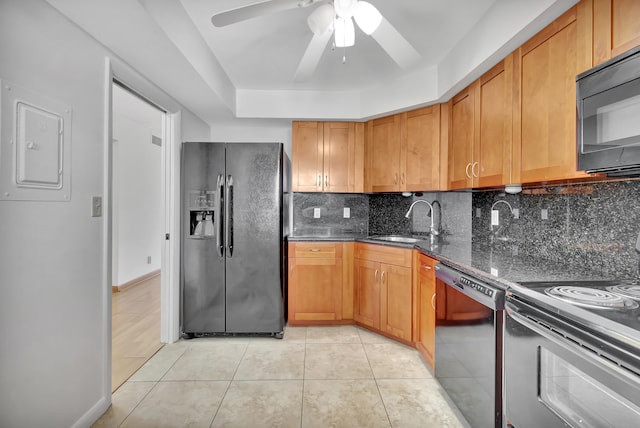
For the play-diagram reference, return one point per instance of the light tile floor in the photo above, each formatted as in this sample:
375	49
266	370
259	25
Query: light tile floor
340	376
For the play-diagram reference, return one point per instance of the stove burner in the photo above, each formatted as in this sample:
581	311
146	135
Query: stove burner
630	291
591	297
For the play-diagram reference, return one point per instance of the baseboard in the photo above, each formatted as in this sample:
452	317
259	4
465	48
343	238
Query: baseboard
134	281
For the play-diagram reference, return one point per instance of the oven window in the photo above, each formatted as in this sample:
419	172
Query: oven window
610	118
580	399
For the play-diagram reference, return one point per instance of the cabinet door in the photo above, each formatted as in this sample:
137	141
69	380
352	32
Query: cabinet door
383	152
395	301
426	339
339	157
493	139
315	289
461	137
367	288
616	28
545	146
420	165
307	156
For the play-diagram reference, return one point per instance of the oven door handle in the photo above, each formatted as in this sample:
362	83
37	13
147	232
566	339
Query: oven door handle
569	343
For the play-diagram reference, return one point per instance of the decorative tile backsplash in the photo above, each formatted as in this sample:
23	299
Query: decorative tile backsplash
590	225
323	214
585	225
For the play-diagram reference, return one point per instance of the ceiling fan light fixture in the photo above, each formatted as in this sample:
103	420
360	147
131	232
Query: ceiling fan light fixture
345	8
345	34
367	17
321	19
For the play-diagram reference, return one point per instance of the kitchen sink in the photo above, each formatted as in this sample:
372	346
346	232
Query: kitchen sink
396	238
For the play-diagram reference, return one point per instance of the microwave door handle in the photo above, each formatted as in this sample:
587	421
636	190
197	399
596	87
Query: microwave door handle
218	215
229	216
560	339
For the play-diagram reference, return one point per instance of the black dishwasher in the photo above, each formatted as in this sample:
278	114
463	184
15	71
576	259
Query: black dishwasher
468	354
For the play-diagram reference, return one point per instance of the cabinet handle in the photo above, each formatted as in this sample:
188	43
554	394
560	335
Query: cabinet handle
315	250
473	169
466	170
427	267
326	181
382	277
395	178
433	301
375	275
402	181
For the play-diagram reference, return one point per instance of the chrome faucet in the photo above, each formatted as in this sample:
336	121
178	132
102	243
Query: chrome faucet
432	229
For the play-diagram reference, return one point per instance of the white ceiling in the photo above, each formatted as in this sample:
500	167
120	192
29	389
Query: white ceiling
246	70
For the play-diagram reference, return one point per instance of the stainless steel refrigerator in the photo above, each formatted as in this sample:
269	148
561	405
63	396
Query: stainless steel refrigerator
235	204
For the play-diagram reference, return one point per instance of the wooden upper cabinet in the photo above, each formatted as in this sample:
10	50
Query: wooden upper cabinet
494	119
461	138
545	113
327	156
383	153
481	130
616	27
404	151
307	153
420	155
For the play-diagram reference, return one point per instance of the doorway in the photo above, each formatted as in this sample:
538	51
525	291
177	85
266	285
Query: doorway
137	231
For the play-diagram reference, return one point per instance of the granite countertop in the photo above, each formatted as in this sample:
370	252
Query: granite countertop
500	264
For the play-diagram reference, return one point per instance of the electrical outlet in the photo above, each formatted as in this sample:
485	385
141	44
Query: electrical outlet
544	214
316	213
346	212
494	271
478	212
495	218
516	213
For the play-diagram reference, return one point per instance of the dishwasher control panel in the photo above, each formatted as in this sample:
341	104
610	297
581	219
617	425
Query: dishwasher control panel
486	294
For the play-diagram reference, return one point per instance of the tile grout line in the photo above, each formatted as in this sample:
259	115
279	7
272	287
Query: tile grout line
138	404
226	391
375	379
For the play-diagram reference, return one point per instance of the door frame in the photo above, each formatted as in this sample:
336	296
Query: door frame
170	250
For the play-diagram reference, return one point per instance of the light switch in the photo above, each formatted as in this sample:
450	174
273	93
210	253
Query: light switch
96	206
516	213
316	213
544	214
346	212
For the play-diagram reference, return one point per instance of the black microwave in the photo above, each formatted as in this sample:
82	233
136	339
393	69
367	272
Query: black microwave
608	99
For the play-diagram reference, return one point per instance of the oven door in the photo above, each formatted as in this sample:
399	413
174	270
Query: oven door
551	380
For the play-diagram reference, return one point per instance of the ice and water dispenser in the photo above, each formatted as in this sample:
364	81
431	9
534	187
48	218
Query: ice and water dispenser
201	214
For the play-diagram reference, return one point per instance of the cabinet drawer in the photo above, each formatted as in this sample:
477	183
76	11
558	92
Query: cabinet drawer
384	254
315	249
426	266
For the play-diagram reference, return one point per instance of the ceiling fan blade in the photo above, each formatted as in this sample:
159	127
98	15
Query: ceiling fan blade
395	45
232	16
312	56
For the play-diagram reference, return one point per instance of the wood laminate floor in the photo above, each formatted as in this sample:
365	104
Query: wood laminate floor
135	329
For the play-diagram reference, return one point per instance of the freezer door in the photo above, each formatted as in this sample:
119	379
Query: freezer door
254	236
203	268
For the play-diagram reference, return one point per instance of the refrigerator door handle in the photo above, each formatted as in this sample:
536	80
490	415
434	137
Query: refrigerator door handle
218	216
229	216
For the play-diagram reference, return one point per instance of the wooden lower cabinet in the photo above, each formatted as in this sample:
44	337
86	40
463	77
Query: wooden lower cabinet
319	280
425	335
383	290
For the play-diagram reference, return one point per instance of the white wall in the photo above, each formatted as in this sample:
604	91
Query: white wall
54	356
253	131
137	185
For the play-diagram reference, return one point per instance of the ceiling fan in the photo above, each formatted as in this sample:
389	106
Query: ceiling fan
332	17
